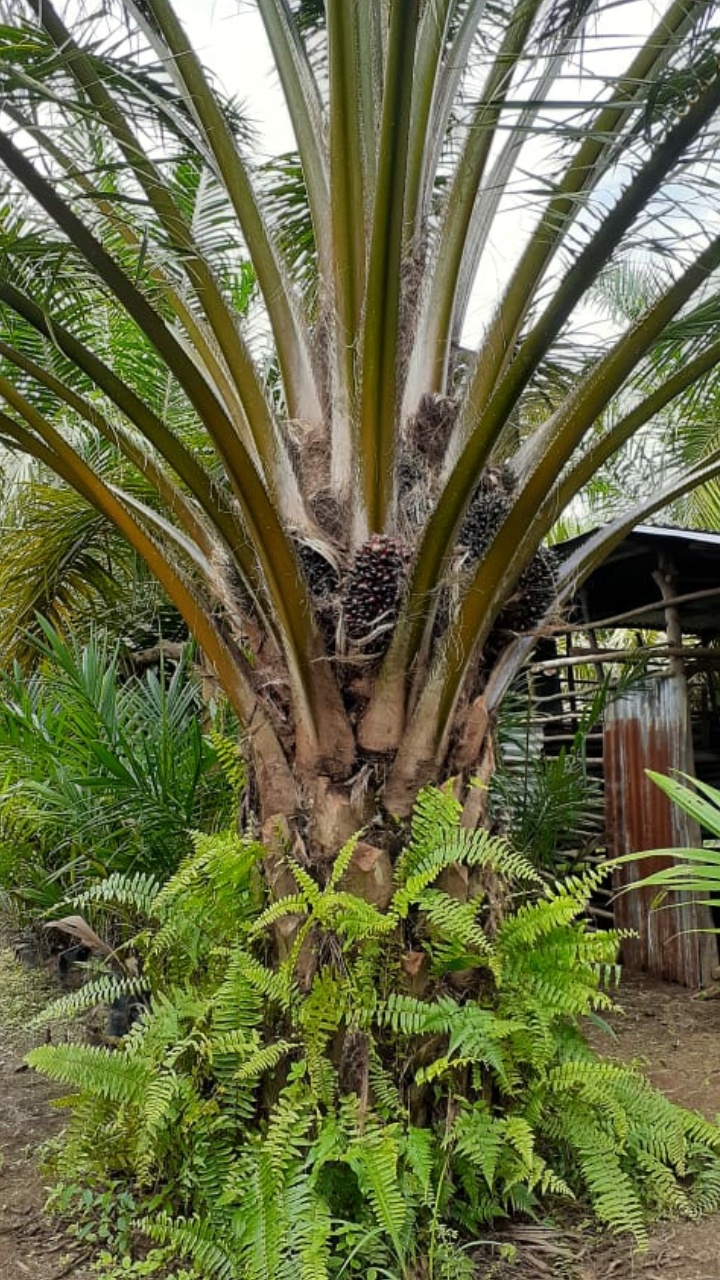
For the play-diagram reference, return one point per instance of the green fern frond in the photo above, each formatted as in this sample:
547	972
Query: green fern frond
410	1016
239	1042
455	922
343	860
309	1229
436	813
477	1035
289	1129
386	1095
261	1220
475	849
704	1192
323	1009
479	1138
551	1184
237	1004
265	1059
518	1133
353	918
269	983
664	1193
104	989
138	891
194	1240
306	885
160	1109
419	1153
230	760
209	1160
101	1072
614	1197
438	1068
531	921
374	1157
295	904
221	863
699	1130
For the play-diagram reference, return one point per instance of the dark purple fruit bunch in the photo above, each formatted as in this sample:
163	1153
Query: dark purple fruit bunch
320	575
489	505
374	586
535	593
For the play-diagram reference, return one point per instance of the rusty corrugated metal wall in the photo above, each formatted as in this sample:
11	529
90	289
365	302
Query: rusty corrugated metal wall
649	729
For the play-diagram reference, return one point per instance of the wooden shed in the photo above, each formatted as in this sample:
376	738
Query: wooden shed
652	608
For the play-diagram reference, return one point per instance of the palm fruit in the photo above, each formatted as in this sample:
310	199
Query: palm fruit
320	575
374	585
534	594
488	507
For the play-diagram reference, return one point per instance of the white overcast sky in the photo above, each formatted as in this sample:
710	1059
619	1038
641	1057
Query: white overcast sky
230	36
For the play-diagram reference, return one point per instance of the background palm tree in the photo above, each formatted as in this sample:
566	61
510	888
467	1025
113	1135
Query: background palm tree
346	503
61	560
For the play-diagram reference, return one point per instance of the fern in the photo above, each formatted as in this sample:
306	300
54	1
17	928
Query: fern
295	1118
262	1060
480	1138
374	1157
321	1013
435	815
160	1109
310	1229
456	922
111	1076
193	1240
420	1155
105	989
231	762
468	848
262	1230
237	1002
613	1195
138	891
295	904
343	860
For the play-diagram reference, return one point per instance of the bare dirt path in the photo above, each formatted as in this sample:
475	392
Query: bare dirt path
32	1246
676	1037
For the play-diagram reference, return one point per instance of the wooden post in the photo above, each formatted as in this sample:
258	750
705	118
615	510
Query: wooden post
666	576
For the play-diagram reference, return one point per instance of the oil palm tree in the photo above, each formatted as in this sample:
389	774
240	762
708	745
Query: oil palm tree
350	499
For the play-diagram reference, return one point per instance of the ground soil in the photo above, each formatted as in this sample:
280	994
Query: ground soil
32	1245
675	1036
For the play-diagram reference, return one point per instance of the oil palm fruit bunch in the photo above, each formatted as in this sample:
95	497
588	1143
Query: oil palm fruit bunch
536	591
373	588
489	506
320	574
537	586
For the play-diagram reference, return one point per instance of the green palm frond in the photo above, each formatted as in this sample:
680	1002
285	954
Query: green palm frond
109	772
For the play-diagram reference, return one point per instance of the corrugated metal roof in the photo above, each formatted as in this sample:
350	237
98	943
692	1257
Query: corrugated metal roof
707	537
626	581
672	531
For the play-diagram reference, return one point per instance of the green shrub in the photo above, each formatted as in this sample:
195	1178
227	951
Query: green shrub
99	773
370	1102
